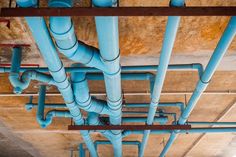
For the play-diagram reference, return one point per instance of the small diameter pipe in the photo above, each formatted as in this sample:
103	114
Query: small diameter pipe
168	44
191	131
21	83
55	113
47	120
145	68
29	106
81	150
44	122
203	82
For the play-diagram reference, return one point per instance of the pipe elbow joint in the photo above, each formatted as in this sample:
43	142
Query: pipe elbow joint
29	106
201	86
113	66
45	122
16	83
163	120
60	3
66	42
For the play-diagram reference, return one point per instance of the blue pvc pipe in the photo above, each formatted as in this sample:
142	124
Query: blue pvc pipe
21	83
191	131
62	30
202	84
81	150
144	68
47	120
108	40
83	97
217	56
168	44
46	46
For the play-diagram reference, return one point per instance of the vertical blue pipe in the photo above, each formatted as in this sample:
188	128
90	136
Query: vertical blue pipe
81	150
108	39
202	84
40	110
168	44
15	67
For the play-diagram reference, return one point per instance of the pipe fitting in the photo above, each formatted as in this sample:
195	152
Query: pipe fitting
59	75
113	66
201	86
60	3
115	105
104	3
29	106
62	38
177	3
27	3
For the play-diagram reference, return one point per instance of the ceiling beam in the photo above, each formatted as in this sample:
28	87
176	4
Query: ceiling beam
120	11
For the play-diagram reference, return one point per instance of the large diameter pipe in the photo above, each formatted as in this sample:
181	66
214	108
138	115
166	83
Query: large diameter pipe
143	68
83	97
168	44
202	84
62	29
108	40
41	35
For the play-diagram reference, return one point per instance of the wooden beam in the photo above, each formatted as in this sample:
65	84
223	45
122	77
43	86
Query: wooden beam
120	11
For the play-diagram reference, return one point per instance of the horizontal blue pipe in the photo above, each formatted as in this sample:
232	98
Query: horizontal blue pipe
44	122
202	84
30	106
145	68
124	76
191	131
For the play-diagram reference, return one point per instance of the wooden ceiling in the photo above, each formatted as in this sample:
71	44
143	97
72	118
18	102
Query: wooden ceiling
140	37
